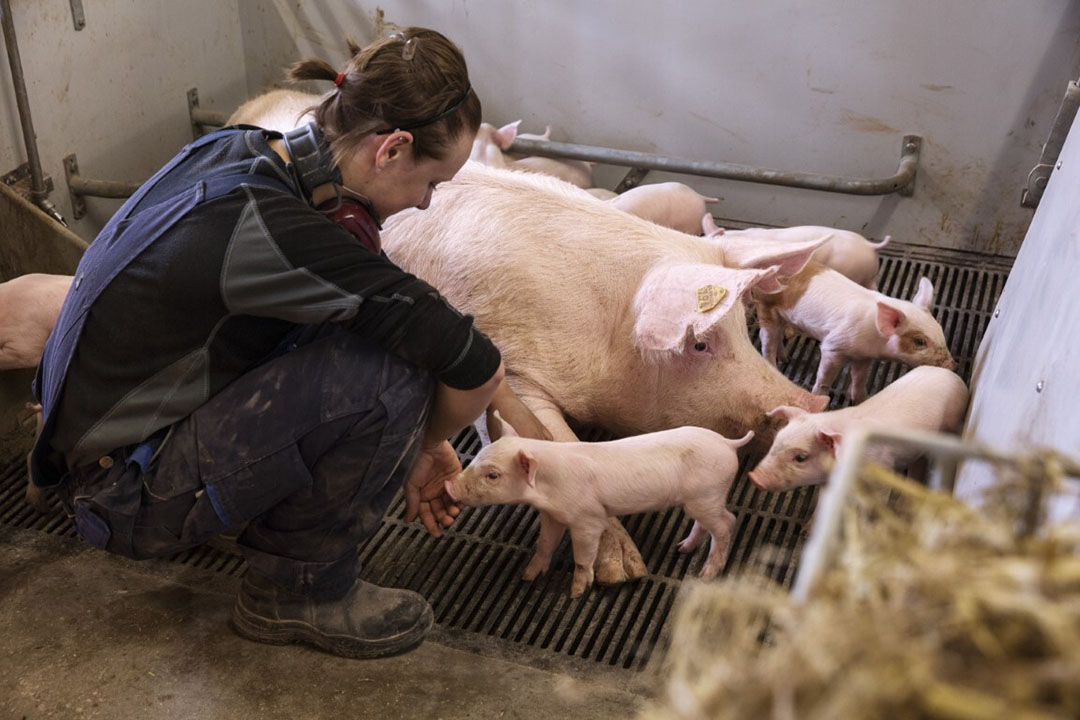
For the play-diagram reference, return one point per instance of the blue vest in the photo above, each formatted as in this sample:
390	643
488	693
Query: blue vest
116	246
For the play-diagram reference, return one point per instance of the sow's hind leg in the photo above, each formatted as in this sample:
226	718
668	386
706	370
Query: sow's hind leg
617	559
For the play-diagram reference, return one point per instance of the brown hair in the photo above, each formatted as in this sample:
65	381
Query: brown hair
400	81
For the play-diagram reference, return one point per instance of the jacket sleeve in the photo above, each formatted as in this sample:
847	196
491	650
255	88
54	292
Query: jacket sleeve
287	261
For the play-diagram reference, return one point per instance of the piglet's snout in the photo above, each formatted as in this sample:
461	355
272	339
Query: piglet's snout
753	479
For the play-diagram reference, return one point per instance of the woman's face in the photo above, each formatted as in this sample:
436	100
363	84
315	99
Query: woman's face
395	181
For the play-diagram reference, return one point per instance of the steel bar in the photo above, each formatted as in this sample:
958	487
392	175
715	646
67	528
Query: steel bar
101	188
38	191
902	181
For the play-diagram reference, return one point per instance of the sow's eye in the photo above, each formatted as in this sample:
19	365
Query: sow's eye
701	346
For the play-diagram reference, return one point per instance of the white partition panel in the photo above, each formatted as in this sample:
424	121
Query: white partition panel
1026	380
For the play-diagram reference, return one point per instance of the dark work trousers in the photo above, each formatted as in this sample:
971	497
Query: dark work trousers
306	451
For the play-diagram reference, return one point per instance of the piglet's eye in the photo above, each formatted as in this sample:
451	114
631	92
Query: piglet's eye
493	475
801	457
919	341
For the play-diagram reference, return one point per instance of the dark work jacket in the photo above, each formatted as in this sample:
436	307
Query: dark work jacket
201	276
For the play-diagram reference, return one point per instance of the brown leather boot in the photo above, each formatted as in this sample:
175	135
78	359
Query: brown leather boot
368	622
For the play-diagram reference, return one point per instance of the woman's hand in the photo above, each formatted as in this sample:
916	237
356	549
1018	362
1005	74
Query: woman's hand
425	488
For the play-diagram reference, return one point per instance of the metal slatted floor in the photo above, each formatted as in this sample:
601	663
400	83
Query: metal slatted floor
472	575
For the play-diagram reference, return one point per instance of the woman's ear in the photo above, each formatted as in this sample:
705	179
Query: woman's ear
392	148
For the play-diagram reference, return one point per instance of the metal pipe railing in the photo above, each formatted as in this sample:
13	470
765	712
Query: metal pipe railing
101	188
902	181
39	190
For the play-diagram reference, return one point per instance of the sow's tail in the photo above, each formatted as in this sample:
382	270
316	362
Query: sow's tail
883	243
743	440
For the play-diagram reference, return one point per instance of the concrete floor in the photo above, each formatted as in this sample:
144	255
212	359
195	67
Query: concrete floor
89	635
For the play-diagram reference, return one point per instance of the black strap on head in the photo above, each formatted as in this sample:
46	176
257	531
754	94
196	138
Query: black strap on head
434	119
311	157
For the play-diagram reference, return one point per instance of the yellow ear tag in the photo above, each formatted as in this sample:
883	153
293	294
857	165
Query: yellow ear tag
709	297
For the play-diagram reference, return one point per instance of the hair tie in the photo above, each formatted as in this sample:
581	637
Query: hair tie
340	77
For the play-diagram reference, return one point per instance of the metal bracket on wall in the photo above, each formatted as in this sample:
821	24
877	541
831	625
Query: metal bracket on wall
902	181
21	175
201	119
1040	174
77	14
78	186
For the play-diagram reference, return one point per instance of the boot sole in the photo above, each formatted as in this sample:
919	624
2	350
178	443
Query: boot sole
285	632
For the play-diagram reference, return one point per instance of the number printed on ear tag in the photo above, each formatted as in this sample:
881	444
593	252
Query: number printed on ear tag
709	297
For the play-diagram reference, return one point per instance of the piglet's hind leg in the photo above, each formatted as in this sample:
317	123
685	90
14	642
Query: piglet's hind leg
695	538
719	522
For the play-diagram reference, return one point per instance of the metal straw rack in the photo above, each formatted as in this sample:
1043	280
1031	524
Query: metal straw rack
945	454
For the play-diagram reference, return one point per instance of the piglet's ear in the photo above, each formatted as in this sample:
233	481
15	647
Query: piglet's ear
677	299
528	464
888	319
925	296
785	412
505	136
830	440
502	427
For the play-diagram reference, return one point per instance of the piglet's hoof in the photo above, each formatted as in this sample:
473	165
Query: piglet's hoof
694	539
534	569
583	577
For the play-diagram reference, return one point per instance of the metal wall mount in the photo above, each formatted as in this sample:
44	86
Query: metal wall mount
21	175
202	119
78	186
77	15
1040	174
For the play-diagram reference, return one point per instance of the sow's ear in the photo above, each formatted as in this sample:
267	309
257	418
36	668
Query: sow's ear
749	252
677	298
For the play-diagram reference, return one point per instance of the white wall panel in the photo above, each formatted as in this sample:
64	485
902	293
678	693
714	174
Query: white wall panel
828	87
114	93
